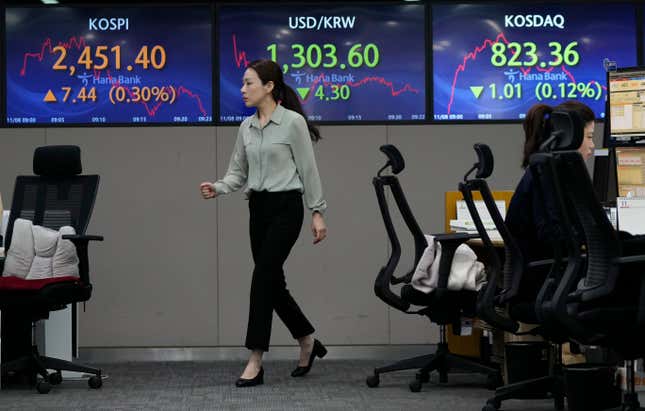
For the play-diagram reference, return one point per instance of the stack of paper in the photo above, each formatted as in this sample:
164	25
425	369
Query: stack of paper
631	214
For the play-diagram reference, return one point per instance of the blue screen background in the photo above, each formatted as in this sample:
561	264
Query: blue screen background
31	34
392	90
462	38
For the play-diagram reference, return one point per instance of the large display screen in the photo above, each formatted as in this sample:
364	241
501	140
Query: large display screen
346	63
117	65
494	61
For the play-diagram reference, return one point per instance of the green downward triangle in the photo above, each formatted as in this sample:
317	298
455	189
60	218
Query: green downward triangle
477	90
303	91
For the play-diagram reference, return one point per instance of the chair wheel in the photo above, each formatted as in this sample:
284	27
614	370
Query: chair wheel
415	386
494	380
492	405
423	377
373	381
95	382
43	387
55	378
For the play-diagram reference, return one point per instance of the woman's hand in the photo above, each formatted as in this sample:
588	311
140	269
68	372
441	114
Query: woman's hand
208	190
318	227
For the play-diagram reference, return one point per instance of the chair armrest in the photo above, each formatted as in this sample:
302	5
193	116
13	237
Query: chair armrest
81	242
449	244
462	237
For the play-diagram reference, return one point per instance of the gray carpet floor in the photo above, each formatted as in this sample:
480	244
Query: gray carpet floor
331	385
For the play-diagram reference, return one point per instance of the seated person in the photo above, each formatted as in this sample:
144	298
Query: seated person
532	217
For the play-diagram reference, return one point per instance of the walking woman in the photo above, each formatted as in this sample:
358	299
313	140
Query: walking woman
274	157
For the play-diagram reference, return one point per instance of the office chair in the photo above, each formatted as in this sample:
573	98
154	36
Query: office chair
607	306
442	306
56	196
513	295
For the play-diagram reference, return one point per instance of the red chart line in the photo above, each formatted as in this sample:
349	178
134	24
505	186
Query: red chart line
78	42
240	57
153	110
380	80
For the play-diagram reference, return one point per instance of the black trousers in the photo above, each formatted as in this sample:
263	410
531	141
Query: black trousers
275	223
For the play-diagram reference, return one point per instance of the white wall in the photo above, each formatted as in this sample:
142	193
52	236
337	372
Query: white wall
174	270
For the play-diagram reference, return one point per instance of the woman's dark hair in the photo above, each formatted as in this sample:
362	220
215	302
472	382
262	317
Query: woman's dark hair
537	124
268	70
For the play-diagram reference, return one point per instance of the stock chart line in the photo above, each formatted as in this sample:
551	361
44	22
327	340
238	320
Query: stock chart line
239	56
78	42
153	110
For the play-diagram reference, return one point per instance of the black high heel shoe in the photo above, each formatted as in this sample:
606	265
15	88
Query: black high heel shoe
319	351
246	382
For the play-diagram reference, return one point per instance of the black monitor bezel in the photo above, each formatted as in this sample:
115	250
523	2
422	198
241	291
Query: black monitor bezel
426	30
3	64
607	140
638	25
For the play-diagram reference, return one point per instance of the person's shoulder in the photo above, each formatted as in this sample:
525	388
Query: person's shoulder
291	116
528	177
246	122
525	184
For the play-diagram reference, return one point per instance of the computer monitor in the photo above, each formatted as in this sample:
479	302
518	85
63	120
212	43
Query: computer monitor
626	94
604	176
631	171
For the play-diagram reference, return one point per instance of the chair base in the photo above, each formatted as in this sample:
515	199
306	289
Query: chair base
535	388
29	366
441	361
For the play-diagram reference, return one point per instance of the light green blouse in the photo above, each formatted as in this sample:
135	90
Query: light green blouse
276	157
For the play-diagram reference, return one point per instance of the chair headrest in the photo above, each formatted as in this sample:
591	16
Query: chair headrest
57	161
395	159
485	161
568	131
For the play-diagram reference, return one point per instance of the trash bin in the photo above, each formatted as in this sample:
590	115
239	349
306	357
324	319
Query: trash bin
591	387
526	360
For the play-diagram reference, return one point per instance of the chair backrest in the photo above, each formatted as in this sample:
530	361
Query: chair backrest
568	263
584	225
513	263
386	275
580	206
57	195
600	238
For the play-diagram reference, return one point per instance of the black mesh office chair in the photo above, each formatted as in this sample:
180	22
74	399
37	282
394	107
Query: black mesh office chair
607	306
442	306
56	196
504	306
